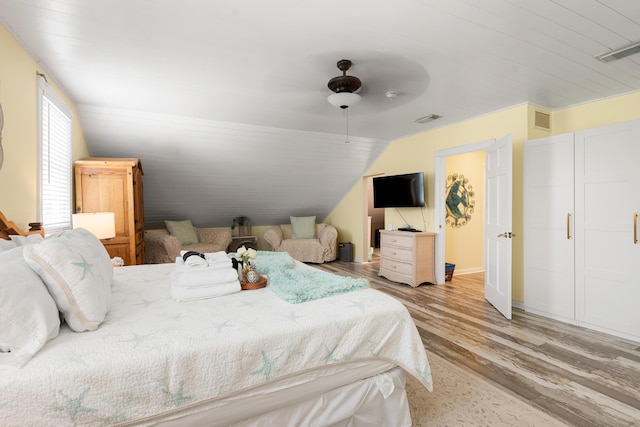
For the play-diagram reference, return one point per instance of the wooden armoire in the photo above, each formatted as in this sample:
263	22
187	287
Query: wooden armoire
114	185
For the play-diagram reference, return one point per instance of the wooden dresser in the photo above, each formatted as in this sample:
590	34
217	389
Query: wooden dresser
407	257
114	185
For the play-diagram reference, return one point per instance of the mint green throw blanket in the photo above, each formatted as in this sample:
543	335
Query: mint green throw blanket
301	285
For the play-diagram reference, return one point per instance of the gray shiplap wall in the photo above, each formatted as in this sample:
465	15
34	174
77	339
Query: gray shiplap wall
211	172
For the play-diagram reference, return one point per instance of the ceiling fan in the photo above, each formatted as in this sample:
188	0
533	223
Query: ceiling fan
344	87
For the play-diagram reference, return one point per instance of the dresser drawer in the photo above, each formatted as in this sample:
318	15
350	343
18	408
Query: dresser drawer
397	253
394	266
397	240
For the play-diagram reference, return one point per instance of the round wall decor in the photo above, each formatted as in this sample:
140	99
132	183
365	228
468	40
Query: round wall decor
459	200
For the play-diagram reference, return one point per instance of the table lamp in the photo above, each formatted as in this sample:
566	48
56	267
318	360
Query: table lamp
101	224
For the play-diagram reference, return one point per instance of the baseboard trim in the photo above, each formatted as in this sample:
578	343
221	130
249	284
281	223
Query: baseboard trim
469	271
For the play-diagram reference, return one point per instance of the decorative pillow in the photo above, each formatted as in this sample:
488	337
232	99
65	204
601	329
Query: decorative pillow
303	227
78	273
183	231
5	245
28	314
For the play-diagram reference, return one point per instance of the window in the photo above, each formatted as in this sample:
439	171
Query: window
55	160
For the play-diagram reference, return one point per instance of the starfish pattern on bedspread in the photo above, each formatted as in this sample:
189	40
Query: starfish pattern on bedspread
73	406
268	366
137	339
292	316
220	326
174	398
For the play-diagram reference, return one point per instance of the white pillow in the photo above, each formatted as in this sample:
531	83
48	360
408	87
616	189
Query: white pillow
28	315
25	240
78	272
5	245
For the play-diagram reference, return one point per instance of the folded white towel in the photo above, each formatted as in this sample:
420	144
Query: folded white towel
216	256
186	277
180	264
220	264
191	294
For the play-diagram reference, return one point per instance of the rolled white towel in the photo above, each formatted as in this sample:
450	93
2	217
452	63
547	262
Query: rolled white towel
196	261
181	294
196	277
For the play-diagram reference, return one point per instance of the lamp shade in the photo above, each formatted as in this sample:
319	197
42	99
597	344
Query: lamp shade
101	224
343	99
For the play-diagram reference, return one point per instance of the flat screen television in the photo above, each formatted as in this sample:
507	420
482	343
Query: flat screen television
399	191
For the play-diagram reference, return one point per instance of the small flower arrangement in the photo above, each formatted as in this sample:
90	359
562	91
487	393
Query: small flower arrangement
246	255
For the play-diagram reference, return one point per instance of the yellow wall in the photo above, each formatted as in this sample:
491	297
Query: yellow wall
348	215
594	114
464	242
19	100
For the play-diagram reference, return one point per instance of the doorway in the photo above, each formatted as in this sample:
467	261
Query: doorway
440	194
498	217
464	229
374	221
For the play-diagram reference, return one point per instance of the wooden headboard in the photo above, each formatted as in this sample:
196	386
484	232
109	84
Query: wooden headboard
9	228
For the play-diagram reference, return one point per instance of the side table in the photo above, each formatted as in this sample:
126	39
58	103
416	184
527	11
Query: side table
249	242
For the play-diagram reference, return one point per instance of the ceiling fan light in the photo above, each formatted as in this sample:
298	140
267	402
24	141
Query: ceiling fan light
343	99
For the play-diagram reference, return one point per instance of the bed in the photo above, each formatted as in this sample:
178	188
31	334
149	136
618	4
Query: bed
250	358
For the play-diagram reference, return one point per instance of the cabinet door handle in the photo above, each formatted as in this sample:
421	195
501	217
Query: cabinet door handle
635	228
568	226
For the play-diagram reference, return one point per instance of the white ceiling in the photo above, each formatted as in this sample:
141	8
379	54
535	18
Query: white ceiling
218	66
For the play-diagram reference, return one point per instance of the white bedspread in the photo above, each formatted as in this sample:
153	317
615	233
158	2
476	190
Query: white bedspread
153	355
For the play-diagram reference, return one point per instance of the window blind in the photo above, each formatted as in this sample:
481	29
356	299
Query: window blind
55	161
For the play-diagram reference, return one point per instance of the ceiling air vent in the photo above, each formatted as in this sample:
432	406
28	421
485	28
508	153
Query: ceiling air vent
542	120
426	119
620	52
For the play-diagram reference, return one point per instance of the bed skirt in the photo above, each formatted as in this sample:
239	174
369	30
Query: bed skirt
379	400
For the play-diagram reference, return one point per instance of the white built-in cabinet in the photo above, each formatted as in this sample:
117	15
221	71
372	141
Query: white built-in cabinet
581	249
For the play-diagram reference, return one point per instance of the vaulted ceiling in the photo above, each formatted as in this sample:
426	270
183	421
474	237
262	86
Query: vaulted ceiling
225	101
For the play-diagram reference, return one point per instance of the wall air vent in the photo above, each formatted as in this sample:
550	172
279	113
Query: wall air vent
542	120
425	119
620	52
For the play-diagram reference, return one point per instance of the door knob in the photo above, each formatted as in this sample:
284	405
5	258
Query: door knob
507	234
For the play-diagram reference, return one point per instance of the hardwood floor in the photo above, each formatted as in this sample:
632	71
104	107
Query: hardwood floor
579	376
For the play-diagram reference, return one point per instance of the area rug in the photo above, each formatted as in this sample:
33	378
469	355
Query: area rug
460	398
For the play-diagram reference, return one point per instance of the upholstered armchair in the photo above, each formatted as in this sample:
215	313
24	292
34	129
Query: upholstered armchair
161	246
319	249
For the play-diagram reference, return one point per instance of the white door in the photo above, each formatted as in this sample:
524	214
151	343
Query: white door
497	287
548	226
607	247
